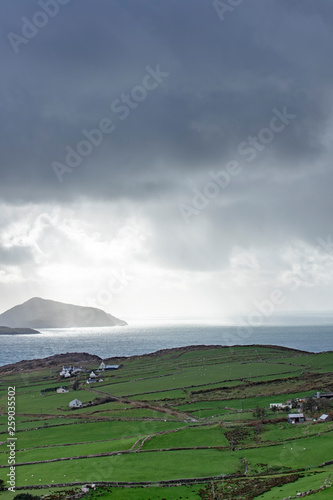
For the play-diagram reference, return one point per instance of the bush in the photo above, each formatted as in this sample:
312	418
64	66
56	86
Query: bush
26	496
259	412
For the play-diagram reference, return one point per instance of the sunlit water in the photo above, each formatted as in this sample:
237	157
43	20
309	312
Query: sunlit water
142	337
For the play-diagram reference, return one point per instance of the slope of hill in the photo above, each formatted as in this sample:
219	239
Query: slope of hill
41	313
194	423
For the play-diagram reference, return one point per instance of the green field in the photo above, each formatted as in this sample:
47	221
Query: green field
181	415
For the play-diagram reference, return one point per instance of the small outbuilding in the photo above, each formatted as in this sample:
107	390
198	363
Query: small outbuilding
325	418
324	395
76	403
62	390
91	380
296	418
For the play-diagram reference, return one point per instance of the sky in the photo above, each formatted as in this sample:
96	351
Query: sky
167	159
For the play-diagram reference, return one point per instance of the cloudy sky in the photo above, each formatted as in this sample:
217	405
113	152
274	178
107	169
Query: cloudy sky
167	158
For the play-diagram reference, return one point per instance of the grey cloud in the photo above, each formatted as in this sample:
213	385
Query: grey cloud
225	79
15	255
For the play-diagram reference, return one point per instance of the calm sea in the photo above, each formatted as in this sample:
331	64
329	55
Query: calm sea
142	337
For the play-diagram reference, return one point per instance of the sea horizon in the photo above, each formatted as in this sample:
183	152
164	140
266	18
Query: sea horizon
144	337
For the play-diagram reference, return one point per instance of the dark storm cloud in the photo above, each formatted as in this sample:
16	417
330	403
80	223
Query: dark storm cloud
224	80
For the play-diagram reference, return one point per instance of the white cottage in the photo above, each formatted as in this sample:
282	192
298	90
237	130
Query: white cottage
62	390
102	366
76	403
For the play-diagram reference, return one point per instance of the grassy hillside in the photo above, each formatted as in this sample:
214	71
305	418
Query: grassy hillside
195	418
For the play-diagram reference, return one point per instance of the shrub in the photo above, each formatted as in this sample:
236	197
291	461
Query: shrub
26	496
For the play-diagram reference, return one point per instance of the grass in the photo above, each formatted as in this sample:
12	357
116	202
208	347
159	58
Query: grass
8	495
149	466
199	436
192	376
35	403
309	482
275	432
51	452
85	432
218	387
155	492
299	453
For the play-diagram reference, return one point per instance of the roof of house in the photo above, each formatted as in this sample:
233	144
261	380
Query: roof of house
76	401
323	416
295	415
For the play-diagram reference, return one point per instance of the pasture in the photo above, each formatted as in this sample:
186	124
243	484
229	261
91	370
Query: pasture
178	415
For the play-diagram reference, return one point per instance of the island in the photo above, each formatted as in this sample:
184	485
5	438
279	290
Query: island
41	313
5	330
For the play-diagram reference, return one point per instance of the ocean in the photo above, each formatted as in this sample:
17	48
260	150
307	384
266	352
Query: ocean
144	337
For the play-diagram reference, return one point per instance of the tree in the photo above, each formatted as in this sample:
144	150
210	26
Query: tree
2	485
259	412
76	385
324	404
310	405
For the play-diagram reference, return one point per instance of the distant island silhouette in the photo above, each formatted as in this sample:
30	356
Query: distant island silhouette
41	313
5	330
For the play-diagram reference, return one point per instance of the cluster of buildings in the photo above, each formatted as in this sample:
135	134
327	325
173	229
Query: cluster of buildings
68	371
299	417
102	367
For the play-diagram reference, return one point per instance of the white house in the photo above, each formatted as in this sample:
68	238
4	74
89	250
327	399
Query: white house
102	366
92	375
62	390
67	368
280	405
91	380
76	403
77	370
67	375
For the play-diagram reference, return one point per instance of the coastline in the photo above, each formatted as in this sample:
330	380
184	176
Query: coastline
84	357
